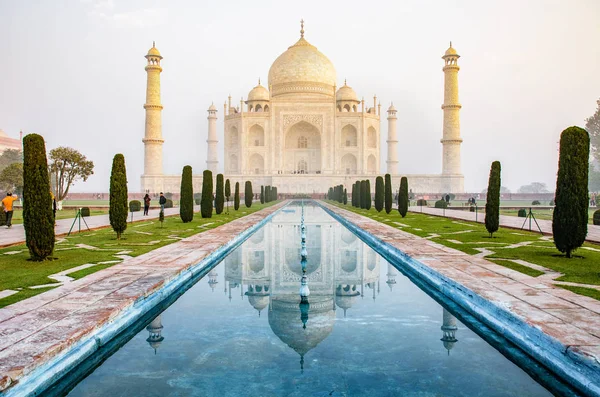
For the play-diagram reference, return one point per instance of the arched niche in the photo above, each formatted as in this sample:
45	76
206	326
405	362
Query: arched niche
349	164
302	147
371	138
349	136
257	164
234	136
371	164
256	136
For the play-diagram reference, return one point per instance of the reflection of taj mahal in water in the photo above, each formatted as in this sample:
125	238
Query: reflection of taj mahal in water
303	133
341	269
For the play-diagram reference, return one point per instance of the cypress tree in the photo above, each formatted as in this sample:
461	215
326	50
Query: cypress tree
368	201
570	218
388	193
227	193
262	194
117	212
363	194
206	205
186	201
236	197
352	202
379	193
357	194
403	197
330	194
492	203
38	219
345	197
220	197
341	193
275	195
248	194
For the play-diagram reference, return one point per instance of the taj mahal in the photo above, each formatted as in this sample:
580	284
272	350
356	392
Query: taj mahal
302	133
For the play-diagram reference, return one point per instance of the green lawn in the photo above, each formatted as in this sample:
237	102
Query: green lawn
545	214
64	214
18	273
465	236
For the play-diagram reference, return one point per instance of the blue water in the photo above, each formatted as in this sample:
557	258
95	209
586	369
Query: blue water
369	331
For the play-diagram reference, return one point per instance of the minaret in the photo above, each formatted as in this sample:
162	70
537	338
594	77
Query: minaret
155	330
212	160
451	139
153	136
449	328
392	141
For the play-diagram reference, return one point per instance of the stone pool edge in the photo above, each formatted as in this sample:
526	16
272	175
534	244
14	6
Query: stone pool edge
574	368
44	376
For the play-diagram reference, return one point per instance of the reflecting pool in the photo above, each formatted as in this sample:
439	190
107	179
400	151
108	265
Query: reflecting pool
367	330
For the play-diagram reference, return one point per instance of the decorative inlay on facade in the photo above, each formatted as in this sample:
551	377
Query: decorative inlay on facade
290	119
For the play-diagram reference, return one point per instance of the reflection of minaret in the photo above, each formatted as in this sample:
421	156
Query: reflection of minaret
155	338
391	275
449	328
212	279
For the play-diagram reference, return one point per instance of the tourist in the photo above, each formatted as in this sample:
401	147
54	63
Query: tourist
146	204
7	203
53	207
162	201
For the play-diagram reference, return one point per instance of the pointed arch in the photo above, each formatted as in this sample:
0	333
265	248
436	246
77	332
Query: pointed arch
349	164
371	164
349	136
256	136
371	138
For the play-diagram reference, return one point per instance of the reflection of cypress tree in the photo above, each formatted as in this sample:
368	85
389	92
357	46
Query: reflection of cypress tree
117	212
570	218
220	197
186	200
379	193
206	207
388	193
38	219
236	197
403	197
492	202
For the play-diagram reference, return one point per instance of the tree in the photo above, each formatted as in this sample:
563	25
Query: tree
570	218
379	193
368	198
220	196
262	194
353	195
206	205
37	202
117	211
66	167
186	201
227	193
403	197
533	187
363	194
10	156
345	196
11	178
389	200
236	197
592	125
492	203
248	194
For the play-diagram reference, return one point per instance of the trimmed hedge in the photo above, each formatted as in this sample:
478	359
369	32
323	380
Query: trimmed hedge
492	203
422	203
388	199
262	194
220	195
186	201
236	197
248	194
85	212
522	213
134	206
596	218
345	196
441	204
535	202
403	197
368	199
169	203
206	207
379	194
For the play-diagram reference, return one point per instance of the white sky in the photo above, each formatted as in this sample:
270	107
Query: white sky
73	71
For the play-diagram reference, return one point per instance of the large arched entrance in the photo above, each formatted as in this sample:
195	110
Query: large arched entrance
302	149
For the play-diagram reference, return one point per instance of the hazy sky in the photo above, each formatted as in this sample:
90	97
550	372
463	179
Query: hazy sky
73	71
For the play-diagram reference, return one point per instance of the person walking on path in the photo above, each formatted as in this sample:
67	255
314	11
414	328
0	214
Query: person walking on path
162	201
146	204
7	203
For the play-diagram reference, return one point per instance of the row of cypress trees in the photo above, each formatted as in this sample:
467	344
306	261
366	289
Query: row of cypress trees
270	193
338	193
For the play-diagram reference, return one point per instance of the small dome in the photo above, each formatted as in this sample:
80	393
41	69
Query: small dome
258	93
450	51
392	108
212	107
154	51
346	93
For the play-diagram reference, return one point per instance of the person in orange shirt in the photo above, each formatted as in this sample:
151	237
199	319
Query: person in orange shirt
7	203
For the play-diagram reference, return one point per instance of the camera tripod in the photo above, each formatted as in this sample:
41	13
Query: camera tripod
530	216
80	218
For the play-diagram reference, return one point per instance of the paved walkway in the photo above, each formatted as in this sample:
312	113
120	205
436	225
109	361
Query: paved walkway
35	330
513	222
16	234
571	319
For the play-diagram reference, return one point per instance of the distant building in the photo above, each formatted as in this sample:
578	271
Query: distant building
7	142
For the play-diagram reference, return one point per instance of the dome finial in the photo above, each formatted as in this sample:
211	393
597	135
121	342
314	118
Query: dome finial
153	44
450	43
259	81
302	28
345	82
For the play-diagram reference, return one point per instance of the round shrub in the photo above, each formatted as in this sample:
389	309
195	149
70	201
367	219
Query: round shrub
472	208
522	213
169	203
535	202
597	217
134	206
441	204
422	202
85	211
551	202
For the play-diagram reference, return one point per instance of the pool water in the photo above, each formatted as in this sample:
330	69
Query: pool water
366	331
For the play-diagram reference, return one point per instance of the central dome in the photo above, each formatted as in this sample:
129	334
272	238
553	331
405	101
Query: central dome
302	69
